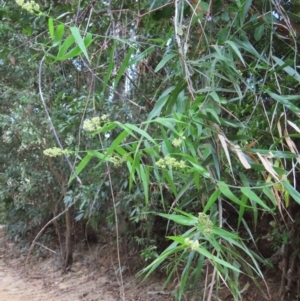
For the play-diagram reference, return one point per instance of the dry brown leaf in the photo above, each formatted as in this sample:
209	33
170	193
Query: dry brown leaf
224	145
294	126
268	166
252	157
278	200
292	146
250	145
241	156
279	127
12	60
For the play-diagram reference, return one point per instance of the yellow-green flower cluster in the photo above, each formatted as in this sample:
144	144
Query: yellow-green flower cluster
30	6
172	162
177	142
206	223
117	161
94	124
104	117
192	244
91	125
55	152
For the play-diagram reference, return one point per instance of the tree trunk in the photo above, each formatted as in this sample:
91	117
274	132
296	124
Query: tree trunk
67	249
59	236
68	260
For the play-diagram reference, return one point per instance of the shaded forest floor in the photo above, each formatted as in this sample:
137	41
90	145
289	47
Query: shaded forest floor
91	279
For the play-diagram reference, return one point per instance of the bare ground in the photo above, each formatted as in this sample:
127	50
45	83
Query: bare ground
91	279
94	277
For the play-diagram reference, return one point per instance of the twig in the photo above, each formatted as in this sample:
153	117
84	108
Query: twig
37	243
42	230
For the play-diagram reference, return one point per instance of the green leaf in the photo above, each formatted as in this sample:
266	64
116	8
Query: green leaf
168	123
106	128
180	219
247	5
288	69
51	28
59	34
184	213
76	50
144	174
254	197
160	103
207	254
141	132
72	53
259	31
174	96
65	46
245	44
294	17
277	154
236	50
168	252
197	179
80	167
140	56
196	166
284	101
123	67
227	192
244	200
270	195
212	200
166	145
178	239
118	140
292	191
80	42
110	67
134	167
165	59
215	97
98	155
213	112
225	234
204	6
170	181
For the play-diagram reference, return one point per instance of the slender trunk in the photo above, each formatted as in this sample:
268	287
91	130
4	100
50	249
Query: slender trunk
67	249
59	236
68	260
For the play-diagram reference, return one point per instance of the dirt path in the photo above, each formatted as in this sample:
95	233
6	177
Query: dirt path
45	283
93	278
13	288
95	281
16	287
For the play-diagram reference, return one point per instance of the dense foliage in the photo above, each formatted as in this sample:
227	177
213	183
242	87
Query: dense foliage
153	119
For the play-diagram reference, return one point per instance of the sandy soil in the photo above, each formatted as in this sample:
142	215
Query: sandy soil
16	286
94	277
91	279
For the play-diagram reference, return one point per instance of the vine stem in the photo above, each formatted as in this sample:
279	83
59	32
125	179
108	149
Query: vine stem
65	155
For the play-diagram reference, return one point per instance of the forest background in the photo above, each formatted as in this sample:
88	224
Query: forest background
171	125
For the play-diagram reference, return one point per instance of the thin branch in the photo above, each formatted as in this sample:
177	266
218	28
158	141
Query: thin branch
66	157
42	230
51	123
37	243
